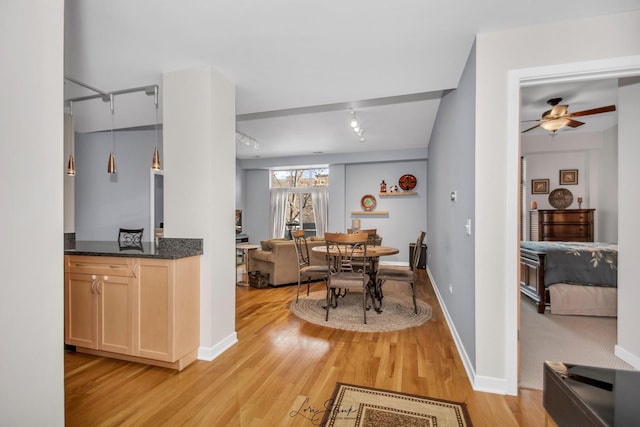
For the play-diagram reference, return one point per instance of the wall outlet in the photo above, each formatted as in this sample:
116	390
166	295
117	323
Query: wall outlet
450	288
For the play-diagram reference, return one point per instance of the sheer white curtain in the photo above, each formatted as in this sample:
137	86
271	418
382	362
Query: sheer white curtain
320	202
278	211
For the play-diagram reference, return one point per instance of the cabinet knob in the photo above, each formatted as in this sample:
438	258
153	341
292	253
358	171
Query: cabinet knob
105	278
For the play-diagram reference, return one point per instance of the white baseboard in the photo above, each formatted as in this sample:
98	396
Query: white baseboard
210	353
478	383
627	356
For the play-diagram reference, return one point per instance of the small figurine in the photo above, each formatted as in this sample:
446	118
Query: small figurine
393	189
383	187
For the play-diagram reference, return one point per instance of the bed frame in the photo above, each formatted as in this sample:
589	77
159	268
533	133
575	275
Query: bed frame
532	278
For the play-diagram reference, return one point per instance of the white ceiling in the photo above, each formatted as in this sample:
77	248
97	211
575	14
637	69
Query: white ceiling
299	66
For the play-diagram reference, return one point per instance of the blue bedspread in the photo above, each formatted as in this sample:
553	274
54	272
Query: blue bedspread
588	263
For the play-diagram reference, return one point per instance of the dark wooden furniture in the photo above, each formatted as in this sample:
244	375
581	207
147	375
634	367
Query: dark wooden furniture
575	395
532	278
562	225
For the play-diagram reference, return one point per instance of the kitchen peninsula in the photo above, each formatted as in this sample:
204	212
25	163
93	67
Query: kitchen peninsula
138	303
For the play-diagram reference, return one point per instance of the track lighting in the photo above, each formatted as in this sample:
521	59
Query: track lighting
155	161
111	165
355	126
247	140
71	165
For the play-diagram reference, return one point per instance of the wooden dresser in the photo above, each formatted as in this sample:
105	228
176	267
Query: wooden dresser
561	225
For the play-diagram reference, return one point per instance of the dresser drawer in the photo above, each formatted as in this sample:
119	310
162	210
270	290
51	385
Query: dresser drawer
560	217
107	266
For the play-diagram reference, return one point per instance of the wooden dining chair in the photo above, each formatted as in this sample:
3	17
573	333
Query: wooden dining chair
374	238
305	269
343	272
403	275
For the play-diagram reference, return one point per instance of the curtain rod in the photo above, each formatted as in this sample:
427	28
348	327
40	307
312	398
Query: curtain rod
148	90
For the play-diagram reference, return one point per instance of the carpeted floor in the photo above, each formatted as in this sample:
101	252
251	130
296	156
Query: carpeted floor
397	311
353	406
582	340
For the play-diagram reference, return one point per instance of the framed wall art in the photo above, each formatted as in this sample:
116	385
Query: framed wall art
540	186
569	177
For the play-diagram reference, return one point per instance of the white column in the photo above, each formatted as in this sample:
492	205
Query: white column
31	219
199	190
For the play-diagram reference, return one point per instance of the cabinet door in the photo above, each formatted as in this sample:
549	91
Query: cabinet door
116	302
81	310
155	316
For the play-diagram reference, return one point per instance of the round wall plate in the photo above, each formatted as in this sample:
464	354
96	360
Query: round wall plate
407	182
560	198
368	202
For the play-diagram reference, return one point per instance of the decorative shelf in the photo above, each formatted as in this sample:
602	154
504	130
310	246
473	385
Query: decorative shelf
398	193
369	212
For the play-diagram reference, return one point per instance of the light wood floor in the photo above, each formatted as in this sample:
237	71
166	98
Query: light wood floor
282	364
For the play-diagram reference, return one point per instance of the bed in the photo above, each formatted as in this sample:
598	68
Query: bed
570	277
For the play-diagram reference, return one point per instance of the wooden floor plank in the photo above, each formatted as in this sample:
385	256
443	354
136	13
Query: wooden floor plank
282	371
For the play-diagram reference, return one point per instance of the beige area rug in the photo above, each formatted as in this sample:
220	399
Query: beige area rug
580	340
397	311
362	406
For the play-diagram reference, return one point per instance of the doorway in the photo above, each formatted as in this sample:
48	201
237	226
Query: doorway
517	79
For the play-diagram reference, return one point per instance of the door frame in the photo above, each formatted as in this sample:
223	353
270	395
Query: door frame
578	71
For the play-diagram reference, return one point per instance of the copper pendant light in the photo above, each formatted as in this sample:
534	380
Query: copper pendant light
111	166
71	164
155	162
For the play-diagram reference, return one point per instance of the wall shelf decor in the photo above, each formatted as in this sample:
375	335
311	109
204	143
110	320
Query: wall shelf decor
399	193
369	212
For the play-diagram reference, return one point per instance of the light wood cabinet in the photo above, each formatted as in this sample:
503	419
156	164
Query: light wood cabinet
99	305
140	309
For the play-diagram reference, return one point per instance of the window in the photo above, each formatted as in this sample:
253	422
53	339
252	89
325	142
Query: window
294	178
303	193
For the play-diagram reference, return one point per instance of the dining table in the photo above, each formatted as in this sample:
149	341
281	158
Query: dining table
374	252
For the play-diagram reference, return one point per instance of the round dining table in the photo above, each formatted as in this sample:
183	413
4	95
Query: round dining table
373	253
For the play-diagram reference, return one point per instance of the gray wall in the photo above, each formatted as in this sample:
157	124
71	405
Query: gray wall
348	182
104	202
451	255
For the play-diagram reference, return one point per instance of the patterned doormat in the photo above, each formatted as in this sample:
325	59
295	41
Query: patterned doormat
356	406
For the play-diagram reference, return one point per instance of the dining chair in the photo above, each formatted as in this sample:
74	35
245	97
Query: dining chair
403	275
374	238
343	272
305	269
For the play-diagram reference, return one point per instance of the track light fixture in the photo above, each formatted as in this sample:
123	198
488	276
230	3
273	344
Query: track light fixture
155	161
247	140
111	165
71	165
355	126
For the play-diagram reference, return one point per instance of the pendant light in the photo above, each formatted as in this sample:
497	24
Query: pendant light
111	166
71	165
155	162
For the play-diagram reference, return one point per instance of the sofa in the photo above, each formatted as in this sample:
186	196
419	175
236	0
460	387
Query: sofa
277	257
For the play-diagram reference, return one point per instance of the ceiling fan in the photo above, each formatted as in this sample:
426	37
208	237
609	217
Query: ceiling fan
558	116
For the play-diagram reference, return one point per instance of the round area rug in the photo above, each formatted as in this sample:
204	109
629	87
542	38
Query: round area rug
397	312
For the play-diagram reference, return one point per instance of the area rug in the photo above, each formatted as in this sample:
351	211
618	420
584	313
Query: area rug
397	312
356	406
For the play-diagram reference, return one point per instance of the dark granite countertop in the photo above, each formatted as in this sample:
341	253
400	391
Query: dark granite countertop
167	248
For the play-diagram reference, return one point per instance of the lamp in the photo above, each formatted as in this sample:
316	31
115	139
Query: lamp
247	140
111	165
555	124
71	165
155	162
355	126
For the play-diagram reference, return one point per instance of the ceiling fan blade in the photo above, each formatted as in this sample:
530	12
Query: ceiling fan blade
531	128
606	109
574	123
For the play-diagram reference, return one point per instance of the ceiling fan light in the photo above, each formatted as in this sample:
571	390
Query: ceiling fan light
555	124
